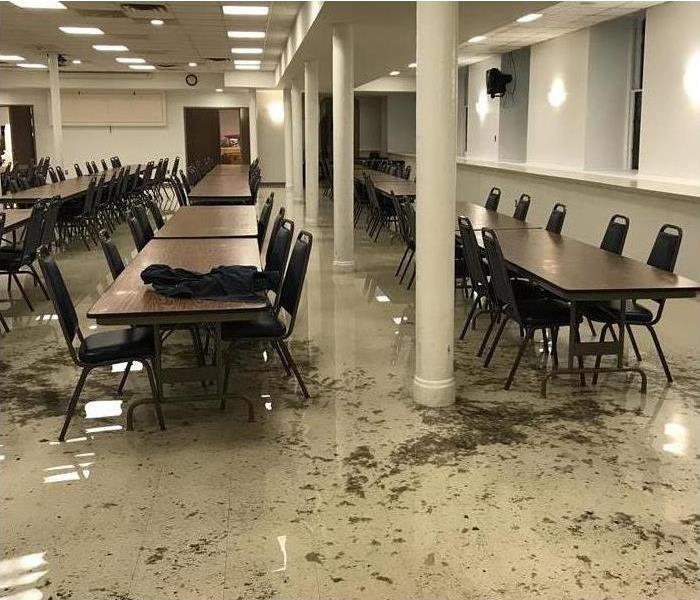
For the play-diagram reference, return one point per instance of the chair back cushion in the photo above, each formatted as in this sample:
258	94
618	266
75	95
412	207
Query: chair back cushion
111	252
493	199
500	279
521	207
615	234
472	257
294	277
555	223
277	256
664	252
62	303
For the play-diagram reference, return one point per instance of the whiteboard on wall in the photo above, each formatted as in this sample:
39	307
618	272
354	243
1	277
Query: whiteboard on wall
113	108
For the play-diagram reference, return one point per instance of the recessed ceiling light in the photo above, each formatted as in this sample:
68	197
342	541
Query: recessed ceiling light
43	4
240	61
128	60
32	66
219	90
192	64
110	48
247	67
412	65
394	73
529	18
157	22
77	61
10	58
249	35
246	10
246	50
476	39
82	30
142	67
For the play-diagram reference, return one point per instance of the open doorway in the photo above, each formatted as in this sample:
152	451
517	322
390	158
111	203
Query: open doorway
219	134
17	141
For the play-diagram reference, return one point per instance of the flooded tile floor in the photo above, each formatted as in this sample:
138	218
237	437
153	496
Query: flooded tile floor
591	493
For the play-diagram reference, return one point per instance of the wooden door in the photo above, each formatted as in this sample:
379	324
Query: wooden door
202	136
244	139
22	128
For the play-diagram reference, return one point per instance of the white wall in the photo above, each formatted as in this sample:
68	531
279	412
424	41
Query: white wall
39	99
401	122
512	120
483	115
670	131
556	134
611	48
370	123
270	111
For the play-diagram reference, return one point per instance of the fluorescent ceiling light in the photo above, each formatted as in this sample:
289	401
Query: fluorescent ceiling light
246	50
529	18
11	58
394	73
246	10
218	90
192	64
247	67
130	60
43	4
157	22
82	30
142	67
240	61
77	61
476	39
110	48
412	65
248	35
32	66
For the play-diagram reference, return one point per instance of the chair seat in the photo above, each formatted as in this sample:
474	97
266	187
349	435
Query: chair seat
544	312
263	325
635	313
118	345
9	258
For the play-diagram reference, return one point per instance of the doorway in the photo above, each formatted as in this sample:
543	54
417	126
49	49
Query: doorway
221	135
17	138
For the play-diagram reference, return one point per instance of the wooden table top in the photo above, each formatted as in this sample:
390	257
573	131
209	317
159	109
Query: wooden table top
211	222
223	181
130	301
491	219
578	271
16	217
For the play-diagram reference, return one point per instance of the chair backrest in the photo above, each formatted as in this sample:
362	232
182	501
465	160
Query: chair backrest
104	164
180	191
264	220
401	218
176	164
290	294
556	218
139	238
50	219
276	259
2	223
156	214
61	173
52	175
60	297
500	279
276	224
472	257
521	207
141	214
94	167
32	232
114	258
493	199
615	234
664	252
185	181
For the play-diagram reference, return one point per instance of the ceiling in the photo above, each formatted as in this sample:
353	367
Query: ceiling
192	32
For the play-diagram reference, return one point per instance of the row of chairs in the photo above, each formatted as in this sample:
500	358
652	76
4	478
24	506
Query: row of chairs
17	178
397	168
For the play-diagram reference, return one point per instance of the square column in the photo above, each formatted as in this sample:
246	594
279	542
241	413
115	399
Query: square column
298	144
311	137
288	143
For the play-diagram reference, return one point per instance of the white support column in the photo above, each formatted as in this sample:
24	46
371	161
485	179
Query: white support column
298	144
253	119
343	132
56	116
311	137
434	383
288	142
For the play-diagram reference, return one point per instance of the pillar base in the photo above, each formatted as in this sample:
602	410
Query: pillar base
428	392
344	266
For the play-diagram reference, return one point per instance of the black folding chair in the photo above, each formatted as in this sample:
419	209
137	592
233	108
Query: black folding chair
521	207
493	199
555	223
264	220
137	234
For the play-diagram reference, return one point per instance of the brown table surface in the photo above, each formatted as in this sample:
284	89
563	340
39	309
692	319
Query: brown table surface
578	271
16	217
130	301
211	222
69	188
491	219
223	181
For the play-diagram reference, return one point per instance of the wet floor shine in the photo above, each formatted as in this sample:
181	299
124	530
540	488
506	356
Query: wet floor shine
591	493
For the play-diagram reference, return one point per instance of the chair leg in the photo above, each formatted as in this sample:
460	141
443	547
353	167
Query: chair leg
603	333
4	324
633	341
73	401
472	310
406	266
413	277
555	355
39	281
227	372
590	326
492	349
660	352
155	391
521	351
122	383
24	294
401	263
276	346
293	366
485	339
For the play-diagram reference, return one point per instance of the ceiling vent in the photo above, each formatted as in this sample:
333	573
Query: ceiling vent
146	11
217	59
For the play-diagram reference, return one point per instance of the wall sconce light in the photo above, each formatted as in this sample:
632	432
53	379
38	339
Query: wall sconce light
557	93
482	105
691	79
276	112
